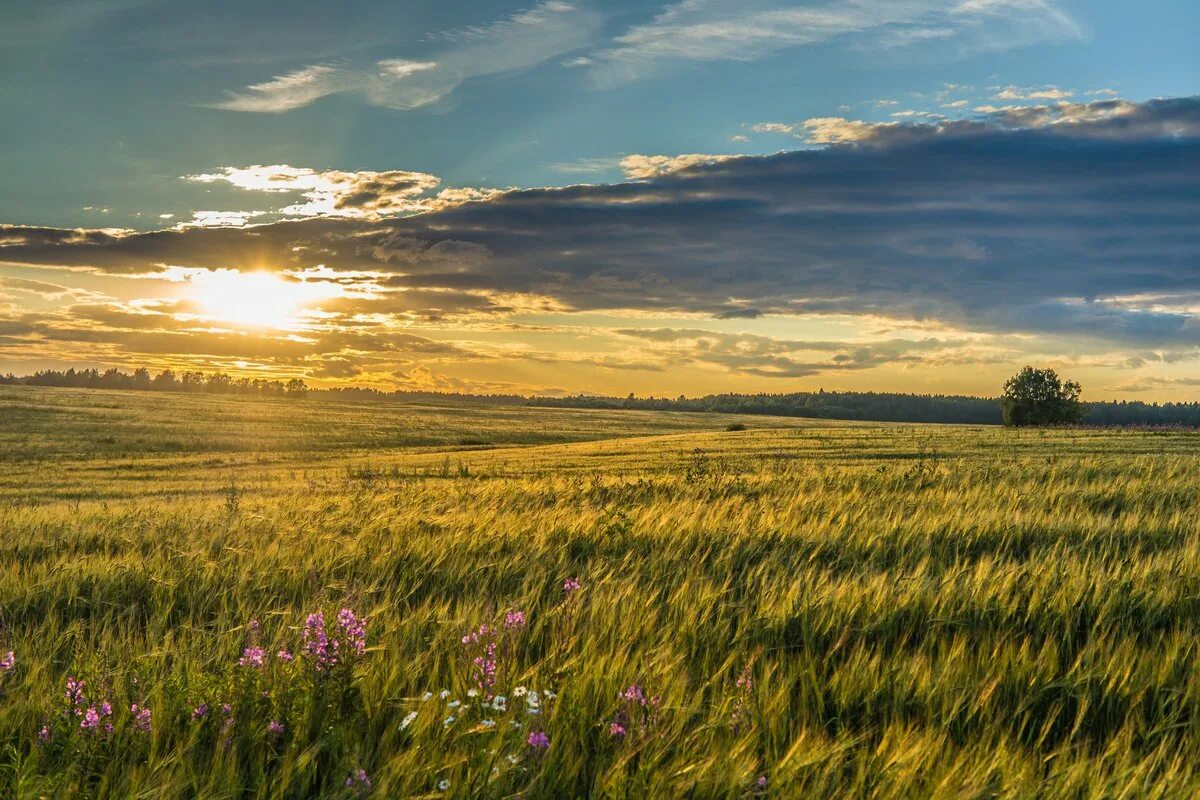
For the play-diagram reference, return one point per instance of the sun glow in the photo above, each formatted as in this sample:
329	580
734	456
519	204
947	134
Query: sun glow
256	299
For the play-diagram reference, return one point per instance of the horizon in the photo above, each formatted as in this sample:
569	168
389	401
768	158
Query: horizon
667	198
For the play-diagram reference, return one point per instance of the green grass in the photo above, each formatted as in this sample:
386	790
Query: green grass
924	611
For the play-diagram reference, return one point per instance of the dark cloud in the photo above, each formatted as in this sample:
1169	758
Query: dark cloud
998	224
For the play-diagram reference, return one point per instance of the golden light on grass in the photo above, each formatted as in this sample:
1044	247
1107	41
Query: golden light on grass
256	299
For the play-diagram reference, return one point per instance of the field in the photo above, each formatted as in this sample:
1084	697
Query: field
801	609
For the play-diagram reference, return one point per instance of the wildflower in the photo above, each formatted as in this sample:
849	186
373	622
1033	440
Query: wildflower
141	718
514	620
253	627
519	691
488	723
761	783
200	711
8	662
75	690
358	781
353	630
408	719
427	696
443	785
617	730
44	734
472	692
454	704
512	759
742	704
539	741
444	693
94	716
317	643
570	587
634	694
285	656
549	695
448	721
226	709
252	657
274	728
500	703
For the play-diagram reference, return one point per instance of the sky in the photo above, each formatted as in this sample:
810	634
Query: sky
606	197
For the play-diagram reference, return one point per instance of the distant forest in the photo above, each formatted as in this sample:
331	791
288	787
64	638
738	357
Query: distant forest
873	406
881	407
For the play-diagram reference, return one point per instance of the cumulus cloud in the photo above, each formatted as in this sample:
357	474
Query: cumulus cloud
332	193
515	43
1118	119
745	30
1070	221
641	167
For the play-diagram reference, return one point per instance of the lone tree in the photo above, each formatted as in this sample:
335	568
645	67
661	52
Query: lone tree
1040	397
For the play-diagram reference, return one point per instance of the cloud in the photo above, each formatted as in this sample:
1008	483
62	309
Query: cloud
640	167
747	30
772	357
220	219
1059	221
1034	93
515	43
332	193
1118	119
291	90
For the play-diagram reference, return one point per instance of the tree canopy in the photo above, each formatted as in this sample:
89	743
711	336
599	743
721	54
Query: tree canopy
1040	397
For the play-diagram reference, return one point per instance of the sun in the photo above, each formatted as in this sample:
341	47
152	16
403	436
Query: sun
255	299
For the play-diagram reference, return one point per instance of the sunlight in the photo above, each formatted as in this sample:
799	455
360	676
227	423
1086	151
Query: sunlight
255	299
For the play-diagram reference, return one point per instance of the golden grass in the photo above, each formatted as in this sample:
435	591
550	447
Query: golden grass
925	611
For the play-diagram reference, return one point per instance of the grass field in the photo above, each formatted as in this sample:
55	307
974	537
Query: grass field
802	609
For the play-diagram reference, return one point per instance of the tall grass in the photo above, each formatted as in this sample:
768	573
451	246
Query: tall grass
824	611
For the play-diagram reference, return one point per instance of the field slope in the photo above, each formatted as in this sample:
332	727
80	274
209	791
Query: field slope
801	609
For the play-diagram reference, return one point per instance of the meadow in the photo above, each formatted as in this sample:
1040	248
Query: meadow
226	597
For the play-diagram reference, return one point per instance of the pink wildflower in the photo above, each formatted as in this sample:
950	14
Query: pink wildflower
93	718
358	781
141	718
200	711
75	690
285	656
570	586
8	662
44	734
617	730
538	740
274	728
317	643
353	629
252	657
514	619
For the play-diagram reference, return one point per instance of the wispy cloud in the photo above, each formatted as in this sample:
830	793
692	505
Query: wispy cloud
746	30
515	43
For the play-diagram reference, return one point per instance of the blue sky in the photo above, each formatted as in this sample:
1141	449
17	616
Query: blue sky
109	103
191	147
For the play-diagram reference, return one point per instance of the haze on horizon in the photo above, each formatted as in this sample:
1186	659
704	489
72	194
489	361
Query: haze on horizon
662	198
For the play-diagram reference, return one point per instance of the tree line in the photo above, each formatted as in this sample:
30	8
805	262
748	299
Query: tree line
1033	397
165	381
